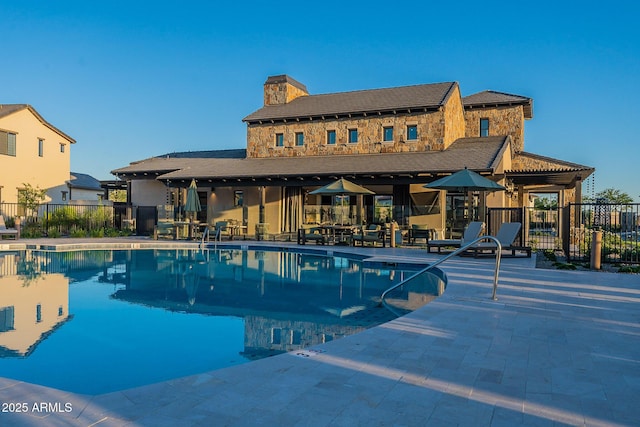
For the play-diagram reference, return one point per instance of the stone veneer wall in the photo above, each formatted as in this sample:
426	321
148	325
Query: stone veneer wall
502	121
281	93
431	130
454	119
534	163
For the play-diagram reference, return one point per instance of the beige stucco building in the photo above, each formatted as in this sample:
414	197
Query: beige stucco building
34	152
392	141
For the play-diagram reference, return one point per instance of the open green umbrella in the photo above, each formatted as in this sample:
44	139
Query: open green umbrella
192	204
342	187
463	181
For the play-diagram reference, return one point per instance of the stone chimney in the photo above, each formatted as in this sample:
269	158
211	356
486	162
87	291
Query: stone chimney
282	89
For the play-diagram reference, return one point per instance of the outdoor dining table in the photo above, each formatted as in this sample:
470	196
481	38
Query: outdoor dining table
337	233
191	228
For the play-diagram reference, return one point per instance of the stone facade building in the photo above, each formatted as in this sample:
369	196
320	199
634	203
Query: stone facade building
392	141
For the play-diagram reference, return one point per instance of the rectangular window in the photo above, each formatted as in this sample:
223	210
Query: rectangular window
387	133
331	137
6	318
353	136
64	196
299	139
8	143
412	132
238	197
484	127
62	148
38	313
41	147
279	140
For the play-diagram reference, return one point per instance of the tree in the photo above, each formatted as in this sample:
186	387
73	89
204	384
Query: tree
614	196
30	198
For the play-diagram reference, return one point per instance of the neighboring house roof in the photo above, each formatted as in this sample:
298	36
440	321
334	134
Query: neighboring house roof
479	154
491	98
426	96
84	182
235	153
7	109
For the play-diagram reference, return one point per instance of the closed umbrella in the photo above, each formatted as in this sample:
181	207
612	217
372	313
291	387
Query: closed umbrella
192	204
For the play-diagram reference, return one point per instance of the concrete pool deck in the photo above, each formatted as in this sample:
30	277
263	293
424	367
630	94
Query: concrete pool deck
556	348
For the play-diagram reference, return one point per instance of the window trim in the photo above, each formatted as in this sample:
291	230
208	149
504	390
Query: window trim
413	126
40	147
488	127
384	133
335	138
280	139
351	134
9	148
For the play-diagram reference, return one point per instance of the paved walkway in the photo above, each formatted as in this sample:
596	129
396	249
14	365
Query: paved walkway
557	348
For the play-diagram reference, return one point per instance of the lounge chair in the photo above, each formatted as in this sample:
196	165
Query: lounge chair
372	234
312	234
4	231
471	233
506	235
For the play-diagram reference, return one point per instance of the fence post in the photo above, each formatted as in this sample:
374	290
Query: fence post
596	249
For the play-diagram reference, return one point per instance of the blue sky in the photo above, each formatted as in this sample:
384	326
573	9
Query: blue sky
130	80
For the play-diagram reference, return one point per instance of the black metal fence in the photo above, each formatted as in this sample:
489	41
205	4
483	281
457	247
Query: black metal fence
53	220
620	227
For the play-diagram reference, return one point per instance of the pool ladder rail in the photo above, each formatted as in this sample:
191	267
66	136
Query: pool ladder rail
452	254
216	237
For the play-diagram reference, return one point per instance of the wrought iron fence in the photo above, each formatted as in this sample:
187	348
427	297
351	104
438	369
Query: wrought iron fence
52	220
620	227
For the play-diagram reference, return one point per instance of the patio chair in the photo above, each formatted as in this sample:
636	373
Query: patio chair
313	234
472	232
506	235
372	234
165	228
4	231
419	231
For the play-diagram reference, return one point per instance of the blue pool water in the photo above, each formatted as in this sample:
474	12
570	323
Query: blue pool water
98	321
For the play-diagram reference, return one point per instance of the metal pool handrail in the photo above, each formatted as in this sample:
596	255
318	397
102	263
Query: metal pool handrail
456	252
217	236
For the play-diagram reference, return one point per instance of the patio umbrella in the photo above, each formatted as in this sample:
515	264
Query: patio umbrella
342	187
192	205
465	180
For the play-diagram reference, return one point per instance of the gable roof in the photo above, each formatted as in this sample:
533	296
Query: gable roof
492	98
479	154
7	109
426	96
83	181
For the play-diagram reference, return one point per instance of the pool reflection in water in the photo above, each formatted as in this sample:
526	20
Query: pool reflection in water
128	318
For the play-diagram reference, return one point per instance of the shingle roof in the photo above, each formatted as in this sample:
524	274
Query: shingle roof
492	98
7	109
364	101
479	154
84	181
550	164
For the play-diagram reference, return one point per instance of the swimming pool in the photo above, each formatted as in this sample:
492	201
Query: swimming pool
98	321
